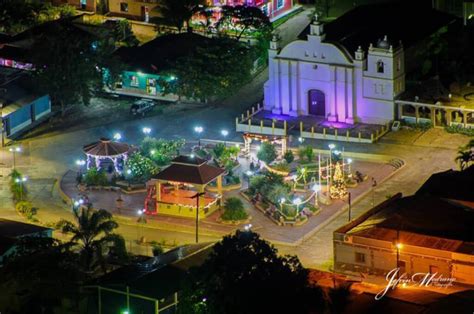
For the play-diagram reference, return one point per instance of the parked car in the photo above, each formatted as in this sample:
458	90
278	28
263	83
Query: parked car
142	106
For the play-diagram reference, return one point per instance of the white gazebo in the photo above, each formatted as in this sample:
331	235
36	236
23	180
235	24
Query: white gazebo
106	149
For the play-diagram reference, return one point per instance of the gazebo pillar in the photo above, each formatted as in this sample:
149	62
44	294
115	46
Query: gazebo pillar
88	163
219	184
97	162
158	191
115	161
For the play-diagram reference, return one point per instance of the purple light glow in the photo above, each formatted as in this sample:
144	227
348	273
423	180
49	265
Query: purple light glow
337	125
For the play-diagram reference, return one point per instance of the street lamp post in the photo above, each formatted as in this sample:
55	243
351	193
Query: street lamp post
374	184
196	196
331	147
316	189
199	130
350	208
15	150
141	220
297	202
80	163
224	134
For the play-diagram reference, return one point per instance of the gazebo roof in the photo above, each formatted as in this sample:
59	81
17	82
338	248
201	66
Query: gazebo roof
192	170
106	148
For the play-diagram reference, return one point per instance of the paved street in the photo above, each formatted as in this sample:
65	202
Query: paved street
45	159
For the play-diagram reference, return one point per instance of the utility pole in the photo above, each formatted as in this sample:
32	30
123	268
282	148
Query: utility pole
196	196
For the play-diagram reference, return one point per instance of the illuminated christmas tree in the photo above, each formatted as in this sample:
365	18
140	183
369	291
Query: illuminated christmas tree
338	188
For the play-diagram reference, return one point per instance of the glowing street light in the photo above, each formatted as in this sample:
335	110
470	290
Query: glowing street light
146	131
199	130
249	173
224	134
15	150
20	182
152	152
300	139
248	227
349	162
331	146
117	136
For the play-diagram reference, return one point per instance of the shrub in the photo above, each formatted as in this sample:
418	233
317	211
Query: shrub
141	167
234	209
267	152
17	186
306	153
282	166
95	177
26	209
459	129
159	150
289	157
218	151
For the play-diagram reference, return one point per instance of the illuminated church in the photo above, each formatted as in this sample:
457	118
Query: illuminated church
322	78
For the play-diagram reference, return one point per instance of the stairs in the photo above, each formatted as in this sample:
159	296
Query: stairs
396	163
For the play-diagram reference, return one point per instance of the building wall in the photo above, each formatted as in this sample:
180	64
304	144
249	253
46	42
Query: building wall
380	258
22	118
87	5
185	211
135	8
141	82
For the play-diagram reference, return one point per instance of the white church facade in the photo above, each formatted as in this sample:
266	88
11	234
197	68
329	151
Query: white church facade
313	77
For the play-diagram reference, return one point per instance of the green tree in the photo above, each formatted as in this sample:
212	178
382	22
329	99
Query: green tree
288	156
17	186
124	35
141	167
218	151
244	18
93	234
234	209
178	13
211	71
161	151
322	7
245	274
464	157
95	177
42	274
72	75
17	15
267	152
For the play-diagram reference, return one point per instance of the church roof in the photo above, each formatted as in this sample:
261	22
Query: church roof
368	24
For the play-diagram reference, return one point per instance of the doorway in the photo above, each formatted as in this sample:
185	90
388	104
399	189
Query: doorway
316	103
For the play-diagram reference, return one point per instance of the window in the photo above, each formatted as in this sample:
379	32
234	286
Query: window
134	81
280	4
124	7
360	257
399	64
380	66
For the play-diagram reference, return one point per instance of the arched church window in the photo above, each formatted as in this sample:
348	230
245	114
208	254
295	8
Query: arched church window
380	66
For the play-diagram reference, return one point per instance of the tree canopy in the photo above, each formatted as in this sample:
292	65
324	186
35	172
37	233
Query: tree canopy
19	15
244	274
213	71
244	18
178	13
70	77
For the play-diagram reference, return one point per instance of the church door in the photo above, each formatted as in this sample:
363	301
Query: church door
316	103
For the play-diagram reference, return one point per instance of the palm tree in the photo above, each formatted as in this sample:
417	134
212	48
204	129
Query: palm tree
93	234
463	158
178	12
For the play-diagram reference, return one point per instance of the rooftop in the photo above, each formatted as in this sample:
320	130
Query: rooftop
154	55
451	184
13	229
161	276
370	23
185	169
